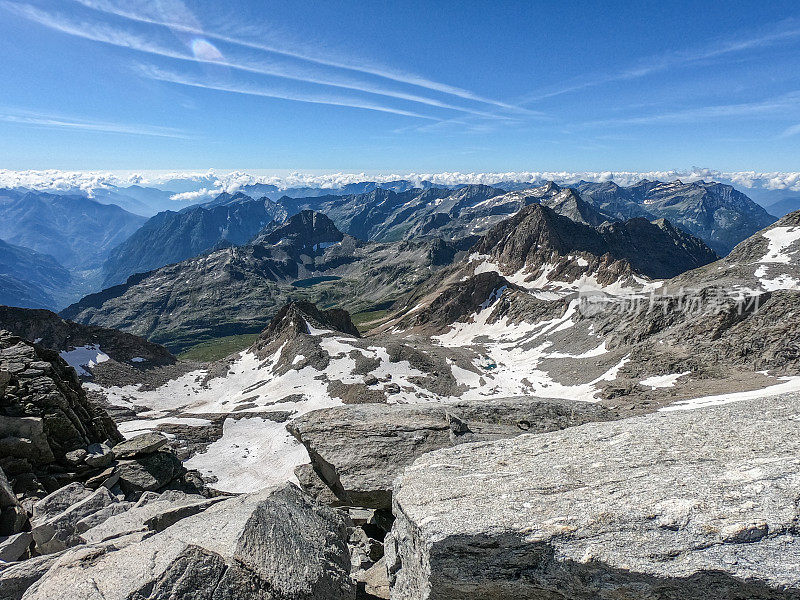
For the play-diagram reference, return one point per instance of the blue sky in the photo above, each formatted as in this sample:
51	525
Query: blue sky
426	86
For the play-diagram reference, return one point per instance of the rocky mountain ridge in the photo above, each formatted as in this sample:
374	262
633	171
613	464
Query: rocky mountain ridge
238	289
171	237
31	279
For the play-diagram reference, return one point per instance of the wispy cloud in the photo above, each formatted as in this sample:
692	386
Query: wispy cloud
782	32
152	13
172	77
61	122
791	131
779	104
204	52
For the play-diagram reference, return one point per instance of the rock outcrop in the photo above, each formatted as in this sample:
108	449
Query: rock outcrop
44	412
358	450
55	333
273	544
686	504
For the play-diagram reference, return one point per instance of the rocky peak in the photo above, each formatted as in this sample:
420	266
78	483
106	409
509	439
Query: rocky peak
55	333
567	202
306	228
535	235
296	317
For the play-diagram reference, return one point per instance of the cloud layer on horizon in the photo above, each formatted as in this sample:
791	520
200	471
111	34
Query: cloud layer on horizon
199	185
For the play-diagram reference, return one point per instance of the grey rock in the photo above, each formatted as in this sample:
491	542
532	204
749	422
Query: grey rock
273	544
76	457
99	518
694	504
107	478
99	455
149	472
358	450
17	578
146	443
154	515
60	532
312	484
56	503
375	580
31	441
13	547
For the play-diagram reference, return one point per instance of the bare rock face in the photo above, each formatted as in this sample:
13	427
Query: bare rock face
44	412
273	544
358	450
679	505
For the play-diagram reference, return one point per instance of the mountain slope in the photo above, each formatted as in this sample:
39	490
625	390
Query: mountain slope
767	261
716	213
537	238
80	344
238	289
785	206
171	237
77	230
31	279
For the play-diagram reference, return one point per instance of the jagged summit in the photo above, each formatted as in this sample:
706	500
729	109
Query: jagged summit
306	228
299	317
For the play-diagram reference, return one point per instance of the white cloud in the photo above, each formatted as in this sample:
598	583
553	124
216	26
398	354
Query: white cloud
194	196
204	52
172	77
61	122
794	130
181	19
208	184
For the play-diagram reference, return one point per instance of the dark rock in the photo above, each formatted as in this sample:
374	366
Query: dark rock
149	472
145	443
14	547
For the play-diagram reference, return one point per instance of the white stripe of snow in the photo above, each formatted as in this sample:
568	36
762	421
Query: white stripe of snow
790	384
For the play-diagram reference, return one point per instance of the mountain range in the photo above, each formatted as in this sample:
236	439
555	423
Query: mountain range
31	279
238	288
102	245
170	237
536	341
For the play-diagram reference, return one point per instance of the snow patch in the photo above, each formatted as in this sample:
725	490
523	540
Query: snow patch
252	454
662	381
790	384
84	357
780	238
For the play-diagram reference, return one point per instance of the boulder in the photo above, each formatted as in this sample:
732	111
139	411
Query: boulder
56	503
16	578
45	412
153	515
60	532
358	450
13	547
276	543
99	455
145	443
149	472
691	505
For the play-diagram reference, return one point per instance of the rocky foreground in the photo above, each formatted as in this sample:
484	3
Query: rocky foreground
506	498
